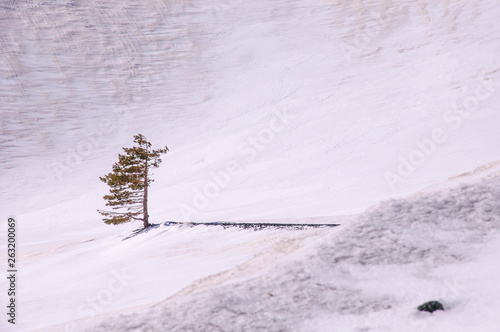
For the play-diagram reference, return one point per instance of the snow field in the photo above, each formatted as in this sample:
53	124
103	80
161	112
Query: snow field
369	275
384	99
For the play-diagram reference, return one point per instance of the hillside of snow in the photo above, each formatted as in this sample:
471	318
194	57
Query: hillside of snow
369	275
277	111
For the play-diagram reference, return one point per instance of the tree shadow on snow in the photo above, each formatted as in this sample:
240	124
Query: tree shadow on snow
141	231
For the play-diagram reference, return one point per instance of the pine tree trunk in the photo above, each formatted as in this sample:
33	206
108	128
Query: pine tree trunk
145	208
145	218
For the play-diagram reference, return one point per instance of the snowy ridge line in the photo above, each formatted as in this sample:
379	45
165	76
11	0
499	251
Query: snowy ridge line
482	170
480	173
254	225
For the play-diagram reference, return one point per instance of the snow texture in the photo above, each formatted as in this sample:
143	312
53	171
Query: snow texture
404	244
293	111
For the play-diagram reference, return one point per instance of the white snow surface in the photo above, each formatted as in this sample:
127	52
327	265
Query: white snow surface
367	276
379	115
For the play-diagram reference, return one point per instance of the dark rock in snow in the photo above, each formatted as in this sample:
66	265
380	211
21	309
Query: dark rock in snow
431	306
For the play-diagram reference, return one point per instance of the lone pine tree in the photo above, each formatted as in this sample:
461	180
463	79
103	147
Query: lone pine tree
129	182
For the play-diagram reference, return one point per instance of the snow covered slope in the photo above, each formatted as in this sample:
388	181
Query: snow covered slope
272	110
369	275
